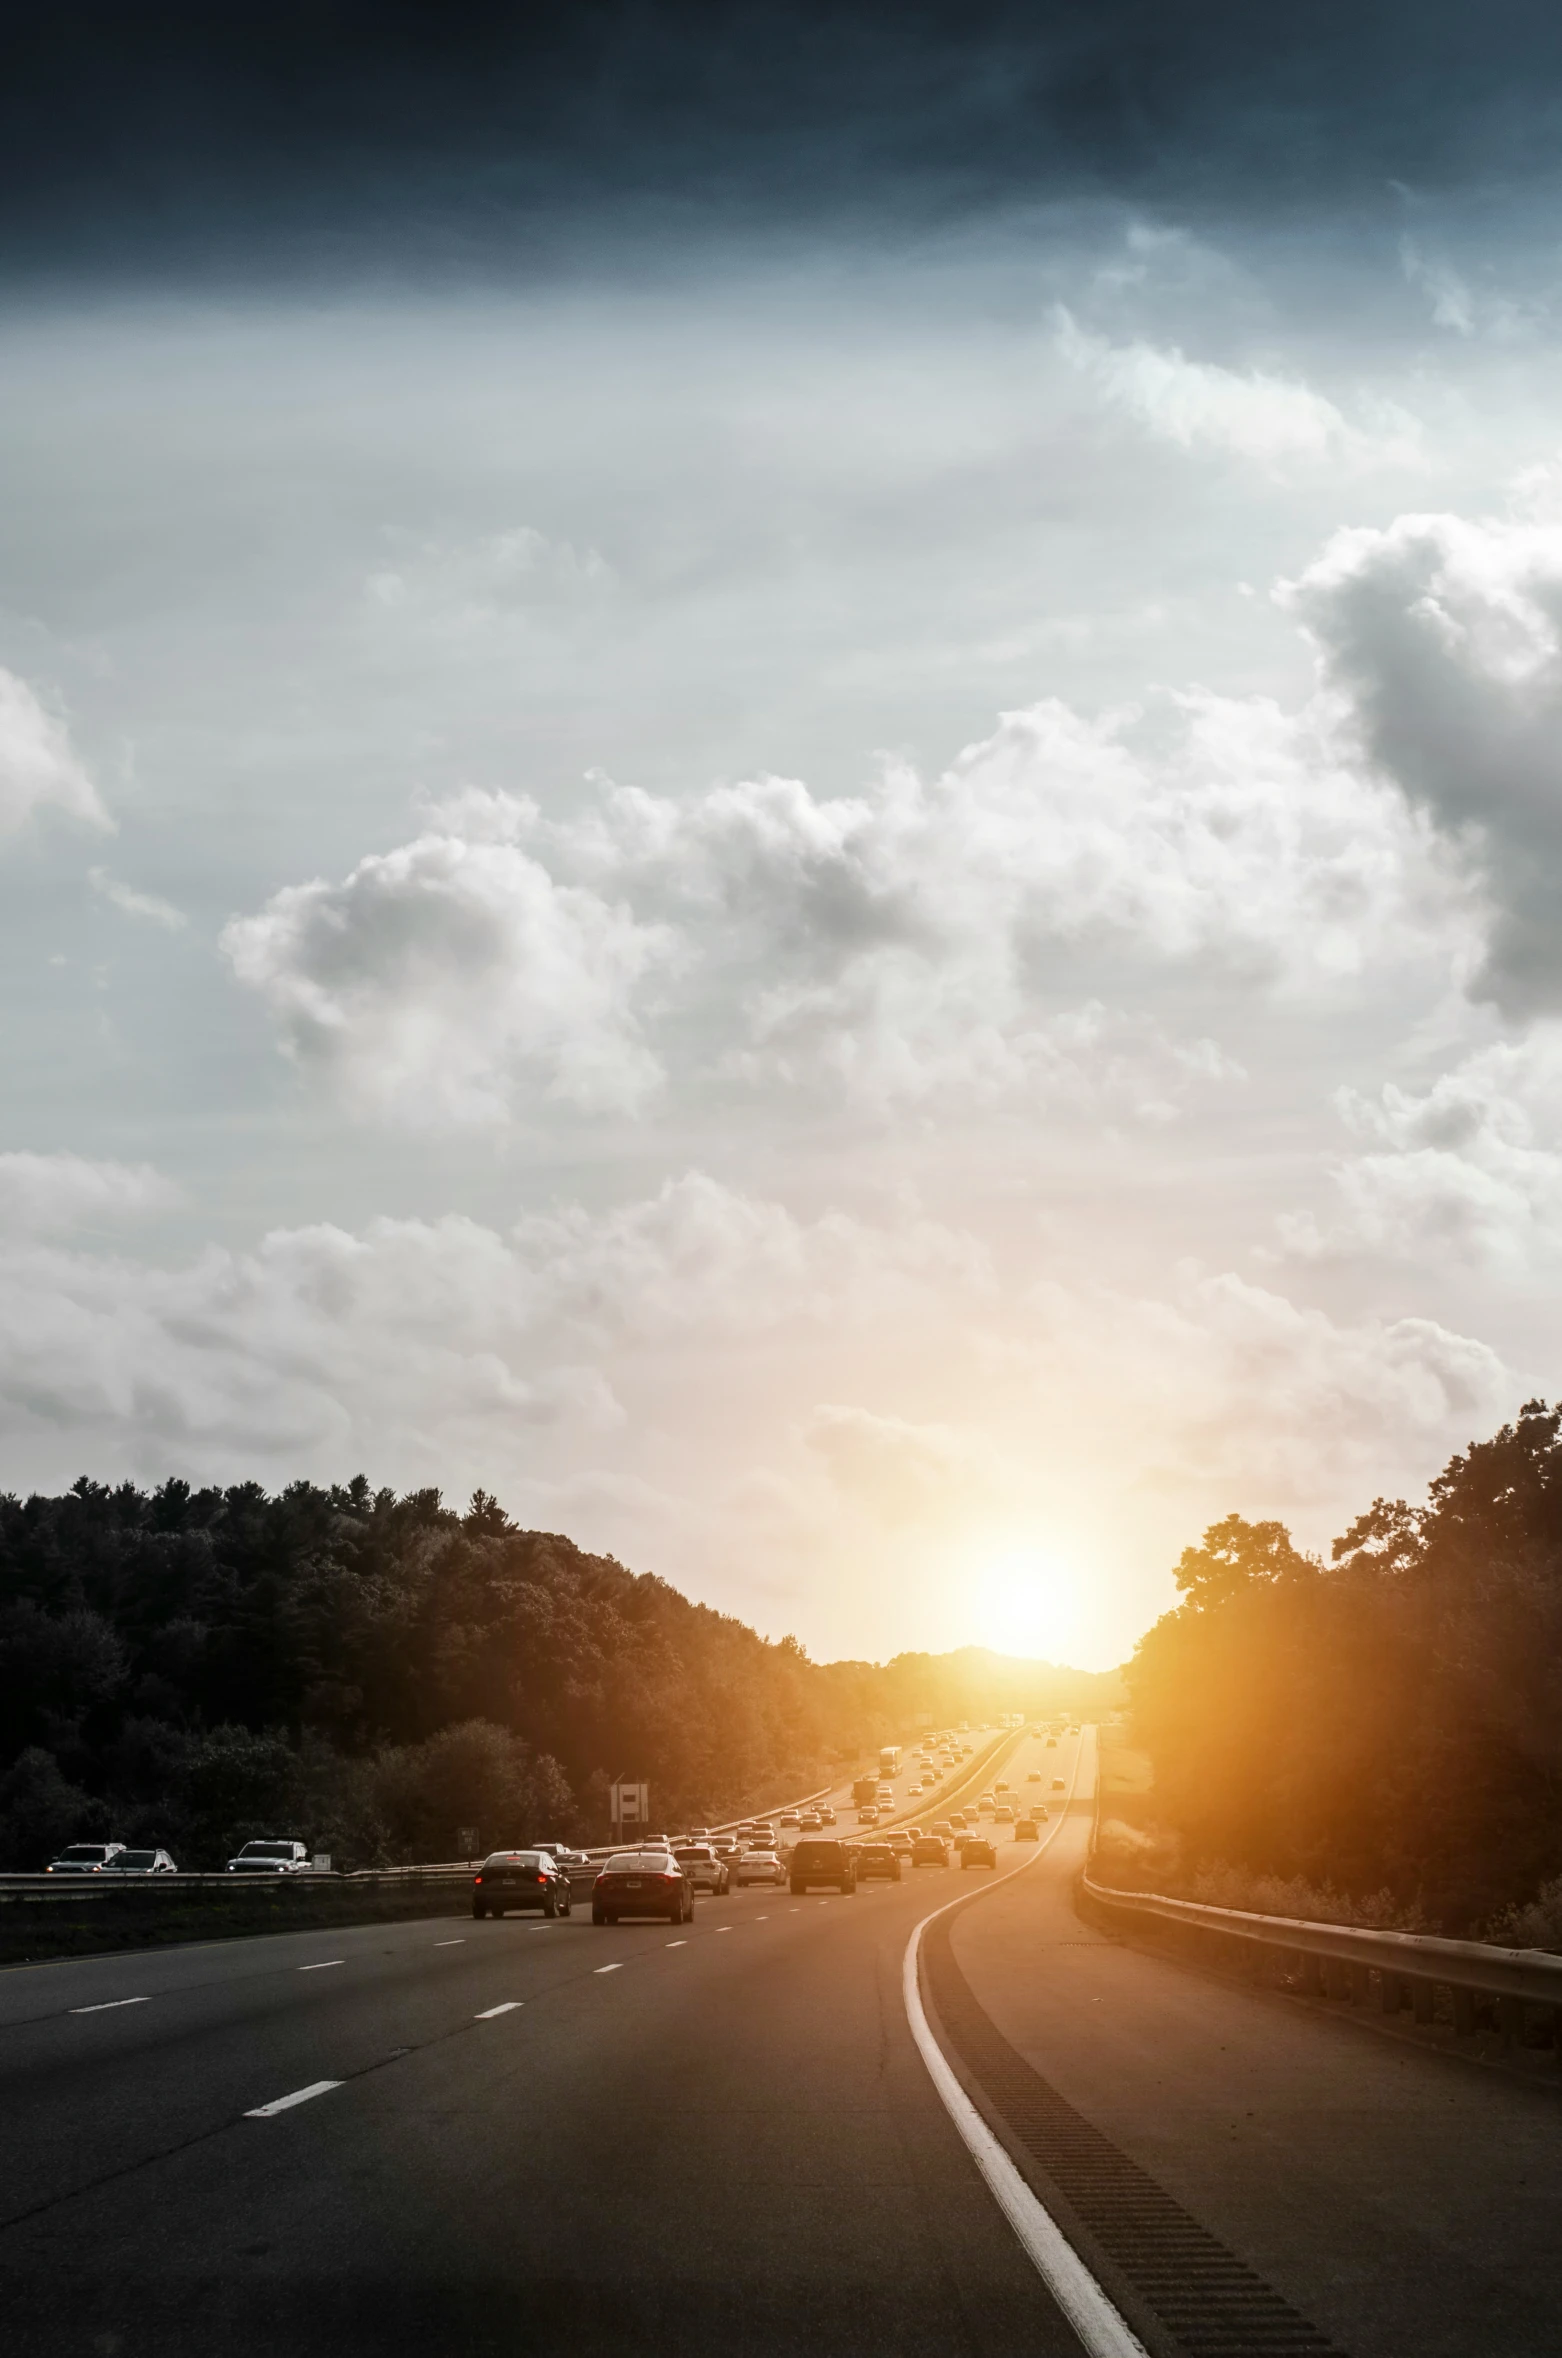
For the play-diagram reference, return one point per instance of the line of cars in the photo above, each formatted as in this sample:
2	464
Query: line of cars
657	1877
270	1857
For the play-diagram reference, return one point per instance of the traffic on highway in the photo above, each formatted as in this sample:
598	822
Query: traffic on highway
761	2089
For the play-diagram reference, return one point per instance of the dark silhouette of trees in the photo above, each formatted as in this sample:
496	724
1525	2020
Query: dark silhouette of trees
374	1673
1391	1719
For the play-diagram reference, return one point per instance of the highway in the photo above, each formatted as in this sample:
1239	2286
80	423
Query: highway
559	2136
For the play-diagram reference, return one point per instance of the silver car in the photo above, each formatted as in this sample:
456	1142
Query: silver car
703	1868
760	1866
85	1858
142	1862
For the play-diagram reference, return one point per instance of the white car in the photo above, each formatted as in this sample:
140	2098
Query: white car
760	1866
142	1862
270	1858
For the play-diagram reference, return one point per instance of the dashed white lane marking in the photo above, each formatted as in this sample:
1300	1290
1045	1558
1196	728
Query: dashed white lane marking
762	1919
509	2007
107	2005
264	2112
324	1965
723	1928
675	1944
451	1944
609	1968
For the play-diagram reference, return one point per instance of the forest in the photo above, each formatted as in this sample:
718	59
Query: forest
1386	1725
372	1673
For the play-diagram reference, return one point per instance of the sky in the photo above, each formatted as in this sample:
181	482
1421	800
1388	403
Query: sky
787	779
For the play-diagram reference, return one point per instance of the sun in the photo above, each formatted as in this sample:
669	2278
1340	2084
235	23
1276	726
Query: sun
1027	1602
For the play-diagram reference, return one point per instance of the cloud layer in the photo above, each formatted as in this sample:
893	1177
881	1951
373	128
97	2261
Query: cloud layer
920	941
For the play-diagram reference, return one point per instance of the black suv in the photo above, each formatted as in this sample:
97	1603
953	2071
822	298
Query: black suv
822	1862
876	1858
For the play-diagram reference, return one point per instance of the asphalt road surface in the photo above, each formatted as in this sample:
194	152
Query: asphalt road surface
645	2139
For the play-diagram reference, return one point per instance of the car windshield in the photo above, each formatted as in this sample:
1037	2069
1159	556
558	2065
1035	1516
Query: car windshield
85	1850
267	1850
136	1858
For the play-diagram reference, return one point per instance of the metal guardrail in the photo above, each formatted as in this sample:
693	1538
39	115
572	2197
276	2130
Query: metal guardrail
1348	1961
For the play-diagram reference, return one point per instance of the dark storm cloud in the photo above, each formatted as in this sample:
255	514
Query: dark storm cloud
307	134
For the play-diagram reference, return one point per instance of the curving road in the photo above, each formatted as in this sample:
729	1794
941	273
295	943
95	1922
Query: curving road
561	2137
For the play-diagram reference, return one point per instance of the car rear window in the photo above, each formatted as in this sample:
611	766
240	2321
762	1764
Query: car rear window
638	1862
514	1858
816	1854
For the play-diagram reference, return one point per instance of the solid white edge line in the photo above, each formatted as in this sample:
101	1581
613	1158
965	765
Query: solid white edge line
264	2112
1103	2331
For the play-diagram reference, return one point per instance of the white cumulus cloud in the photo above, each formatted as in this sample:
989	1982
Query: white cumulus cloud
1443	637
454	980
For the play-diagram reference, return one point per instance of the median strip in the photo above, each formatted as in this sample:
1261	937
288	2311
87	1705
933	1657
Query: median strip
266	2112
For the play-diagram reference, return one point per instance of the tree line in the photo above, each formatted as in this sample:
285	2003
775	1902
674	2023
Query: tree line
374	1673
1388	1721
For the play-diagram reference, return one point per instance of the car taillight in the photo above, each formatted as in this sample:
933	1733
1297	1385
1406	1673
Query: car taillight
477	1879
542	1878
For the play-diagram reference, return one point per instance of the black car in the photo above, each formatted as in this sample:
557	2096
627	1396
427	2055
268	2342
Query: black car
815	1861
929	1852
520	1879
642	1883
877	1858
977	1851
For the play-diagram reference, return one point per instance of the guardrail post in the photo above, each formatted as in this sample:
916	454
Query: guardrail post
1510	2021
1311	1974
1391	1991
1464	2012
1423	2000
1360	1983
1336	1978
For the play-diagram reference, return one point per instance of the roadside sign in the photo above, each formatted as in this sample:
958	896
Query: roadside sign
466	1841
631	1804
